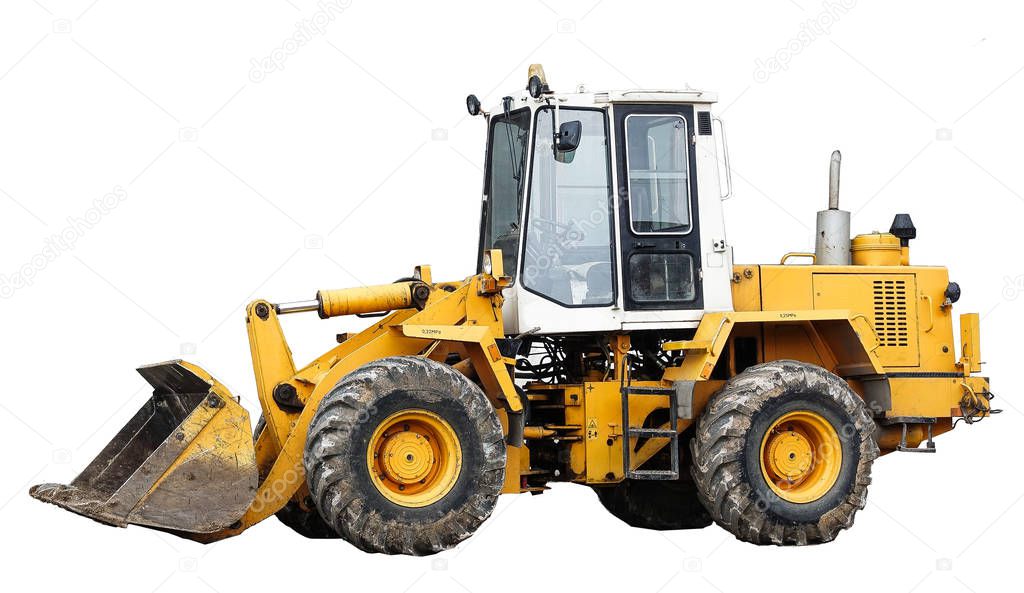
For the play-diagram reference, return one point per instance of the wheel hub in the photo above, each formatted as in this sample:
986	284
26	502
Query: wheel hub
407	457
790	455
414	458
801	456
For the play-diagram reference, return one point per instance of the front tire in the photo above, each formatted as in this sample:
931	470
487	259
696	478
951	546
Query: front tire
783	454
405	456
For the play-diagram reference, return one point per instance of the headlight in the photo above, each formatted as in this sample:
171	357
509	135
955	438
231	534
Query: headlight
486	268
952	293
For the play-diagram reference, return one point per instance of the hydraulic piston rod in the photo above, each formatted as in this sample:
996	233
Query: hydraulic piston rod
297	307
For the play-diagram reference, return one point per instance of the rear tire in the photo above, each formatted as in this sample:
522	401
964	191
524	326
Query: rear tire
774	420
405	456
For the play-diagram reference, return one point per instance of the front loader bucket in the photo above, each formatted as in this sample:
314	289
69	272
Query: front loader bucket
185	462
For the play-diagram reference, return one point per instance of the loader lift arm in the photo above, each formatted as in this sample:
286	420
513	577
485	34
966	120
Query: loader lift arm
465	314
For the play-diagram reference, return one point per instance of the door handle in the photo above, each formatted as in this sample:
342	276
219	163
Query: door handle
643	245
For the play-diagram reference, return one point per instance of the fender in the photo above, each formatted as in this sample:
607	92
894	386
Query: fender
848	337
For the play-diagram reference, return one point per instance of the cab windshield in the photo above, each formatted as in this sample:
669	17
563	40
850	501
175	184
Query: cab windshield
506	153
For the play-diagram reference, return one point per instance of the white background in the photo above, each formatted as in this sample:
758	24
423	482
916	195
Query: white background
354	160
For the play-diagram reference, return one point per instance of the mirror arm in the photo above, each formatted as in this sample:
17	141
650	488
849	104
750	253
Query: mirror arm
555	128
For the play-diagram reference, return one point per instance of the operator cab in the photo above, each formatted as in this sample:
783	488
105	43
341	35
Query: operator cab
606	207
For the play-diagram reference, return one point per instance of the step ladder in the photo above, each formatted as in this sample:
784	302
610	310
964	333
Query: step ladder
654	433
905	422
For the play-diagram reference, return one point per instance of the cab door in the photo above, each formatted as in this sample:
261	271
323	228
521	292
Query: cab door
660	239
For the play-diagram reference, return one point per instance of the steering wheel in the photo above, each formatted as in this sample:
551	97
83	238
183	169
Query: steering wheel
556	239
566	232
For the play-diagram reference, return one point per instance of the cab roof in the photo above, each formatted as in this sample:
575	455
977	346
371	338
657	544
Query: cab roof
584	97
537	92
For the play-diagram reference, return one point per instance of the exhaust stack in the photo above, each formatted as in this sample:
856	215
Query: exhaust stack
832	236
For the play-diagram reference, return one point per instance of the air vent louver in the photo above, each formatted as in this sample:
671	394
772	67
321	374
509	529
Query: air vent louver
890	300
704	123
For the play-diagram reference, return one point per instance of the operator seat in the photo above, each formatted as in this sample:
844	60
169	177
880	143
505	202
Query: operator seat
599	284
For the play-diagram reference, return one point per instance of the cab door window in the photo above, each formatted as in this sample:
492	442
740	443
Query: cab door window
656	151
660	237
567	256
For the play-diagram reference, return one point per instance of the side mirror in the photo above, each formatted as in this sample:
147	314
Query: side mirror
568	137
473	105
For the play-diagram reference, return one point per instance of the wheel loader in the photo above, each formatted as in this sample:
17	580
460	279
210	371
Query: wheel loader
607	339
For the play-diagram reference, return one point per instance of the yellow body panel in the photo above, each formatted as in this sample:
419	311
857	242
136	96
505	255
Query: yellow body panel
970	342
904	317
592	432
849	341
746	288
601	416
889	303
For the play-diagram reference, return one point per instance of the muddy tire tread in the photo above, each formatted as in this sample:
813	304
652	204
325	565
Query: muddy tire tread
329	449
718	447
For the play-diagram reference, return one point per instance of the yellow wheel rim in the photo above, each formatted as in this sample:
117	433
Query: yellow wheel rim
414	458
801	456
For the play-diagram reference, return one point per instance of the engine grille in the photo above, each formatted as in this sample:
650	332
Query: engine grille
890	300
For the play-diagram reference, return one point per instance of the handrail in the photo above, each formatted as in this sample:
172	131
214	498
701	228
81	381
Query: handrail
931	314
725	160
791	254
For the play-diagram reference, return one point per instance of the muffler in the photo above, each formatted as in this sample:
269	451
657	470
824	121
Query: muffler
185	462
832	234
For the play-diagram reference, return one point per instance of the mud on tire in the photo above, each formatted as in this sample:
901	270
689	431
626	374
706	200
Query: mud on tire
338	471
727	455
